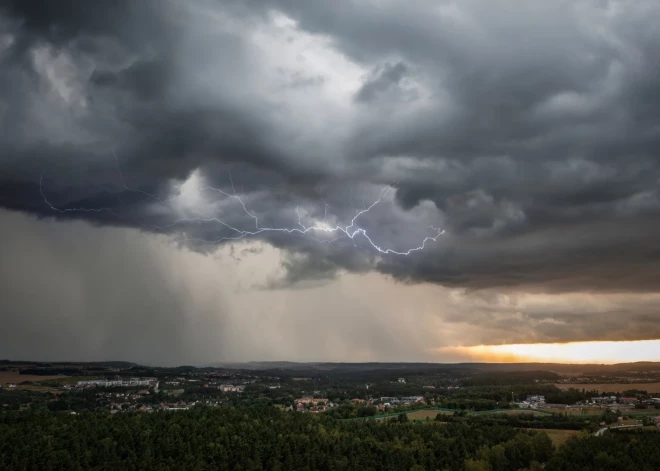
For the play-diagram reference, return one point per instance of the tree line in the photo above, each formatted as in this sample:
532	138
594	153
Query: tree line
249	438
265	438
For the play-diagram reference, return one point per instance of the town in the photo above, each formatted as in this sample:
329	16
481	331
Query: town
342	394
418	399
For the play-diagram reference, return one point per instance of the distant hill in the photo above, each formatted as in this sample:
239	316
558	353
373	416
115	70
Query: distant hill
289	368
286	368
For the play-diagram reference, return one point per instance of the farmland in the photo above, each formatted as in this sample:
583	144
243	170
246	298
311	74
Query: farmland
7	377
613	387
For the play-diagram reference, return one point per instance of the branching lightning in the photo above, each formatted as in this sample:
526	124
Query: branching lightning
351	231
70	210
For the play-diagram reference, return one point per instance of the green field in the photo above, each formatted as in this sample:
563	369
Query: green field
559	437
426	414
417	415
536	412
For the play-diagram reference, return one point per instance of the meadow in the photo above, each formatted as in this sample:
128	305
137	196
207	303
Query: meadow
576	411
559	437
426	414
7	377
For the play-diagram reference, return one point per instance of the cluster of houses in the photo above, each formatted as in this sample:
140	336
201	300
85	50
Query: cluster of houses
312	404
315	405
226	387
231	388
117	407
538	401
133	382
630	401
113	383
532	402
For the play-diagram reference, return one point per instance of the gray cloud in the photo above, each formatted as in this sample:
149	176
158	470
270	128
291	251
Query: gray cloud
531	138
382	81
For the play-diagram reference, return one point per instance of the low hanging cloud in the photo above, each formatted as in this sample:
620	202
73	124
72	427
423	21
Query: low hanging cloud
536	157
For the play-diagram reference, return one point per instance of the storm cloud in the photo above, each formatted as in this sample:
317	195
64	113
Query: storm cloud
529	133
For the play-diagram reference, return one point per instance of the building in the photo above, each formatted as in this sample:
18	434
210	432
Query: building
603	400
231	388
412	399
310	400
628	400
535	399
402	380
106	383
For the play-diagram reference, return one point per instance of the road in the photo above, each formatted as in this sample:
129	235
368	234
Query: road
600	432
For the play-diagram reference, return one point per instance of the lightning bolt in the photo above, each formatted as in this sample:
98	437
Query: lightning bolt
70	210
351	231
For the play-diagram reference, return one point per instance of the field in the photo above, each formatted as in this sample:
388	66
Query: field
614	387
7	377
559	437
576	411
511	412
417	415
424	414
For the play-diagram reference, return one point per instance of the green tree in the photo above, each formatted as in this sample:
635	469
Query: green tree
477	465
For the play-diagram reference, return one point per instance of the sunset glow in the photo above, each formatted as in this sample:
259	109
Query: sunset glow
572	352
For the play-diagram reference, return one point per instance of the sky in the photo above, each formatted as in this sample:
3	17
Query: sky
204	181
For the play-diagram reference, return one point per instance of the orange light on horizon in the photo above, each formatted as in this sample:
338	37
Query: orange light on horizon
602	352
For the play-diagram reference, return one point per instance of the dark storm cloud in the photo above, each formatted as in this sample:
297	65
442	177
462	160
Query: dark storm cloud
534	134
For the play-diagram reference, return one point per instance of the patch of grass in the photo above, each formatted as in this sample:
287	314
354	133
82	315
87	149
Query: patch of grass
512	412
423	414
559	437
